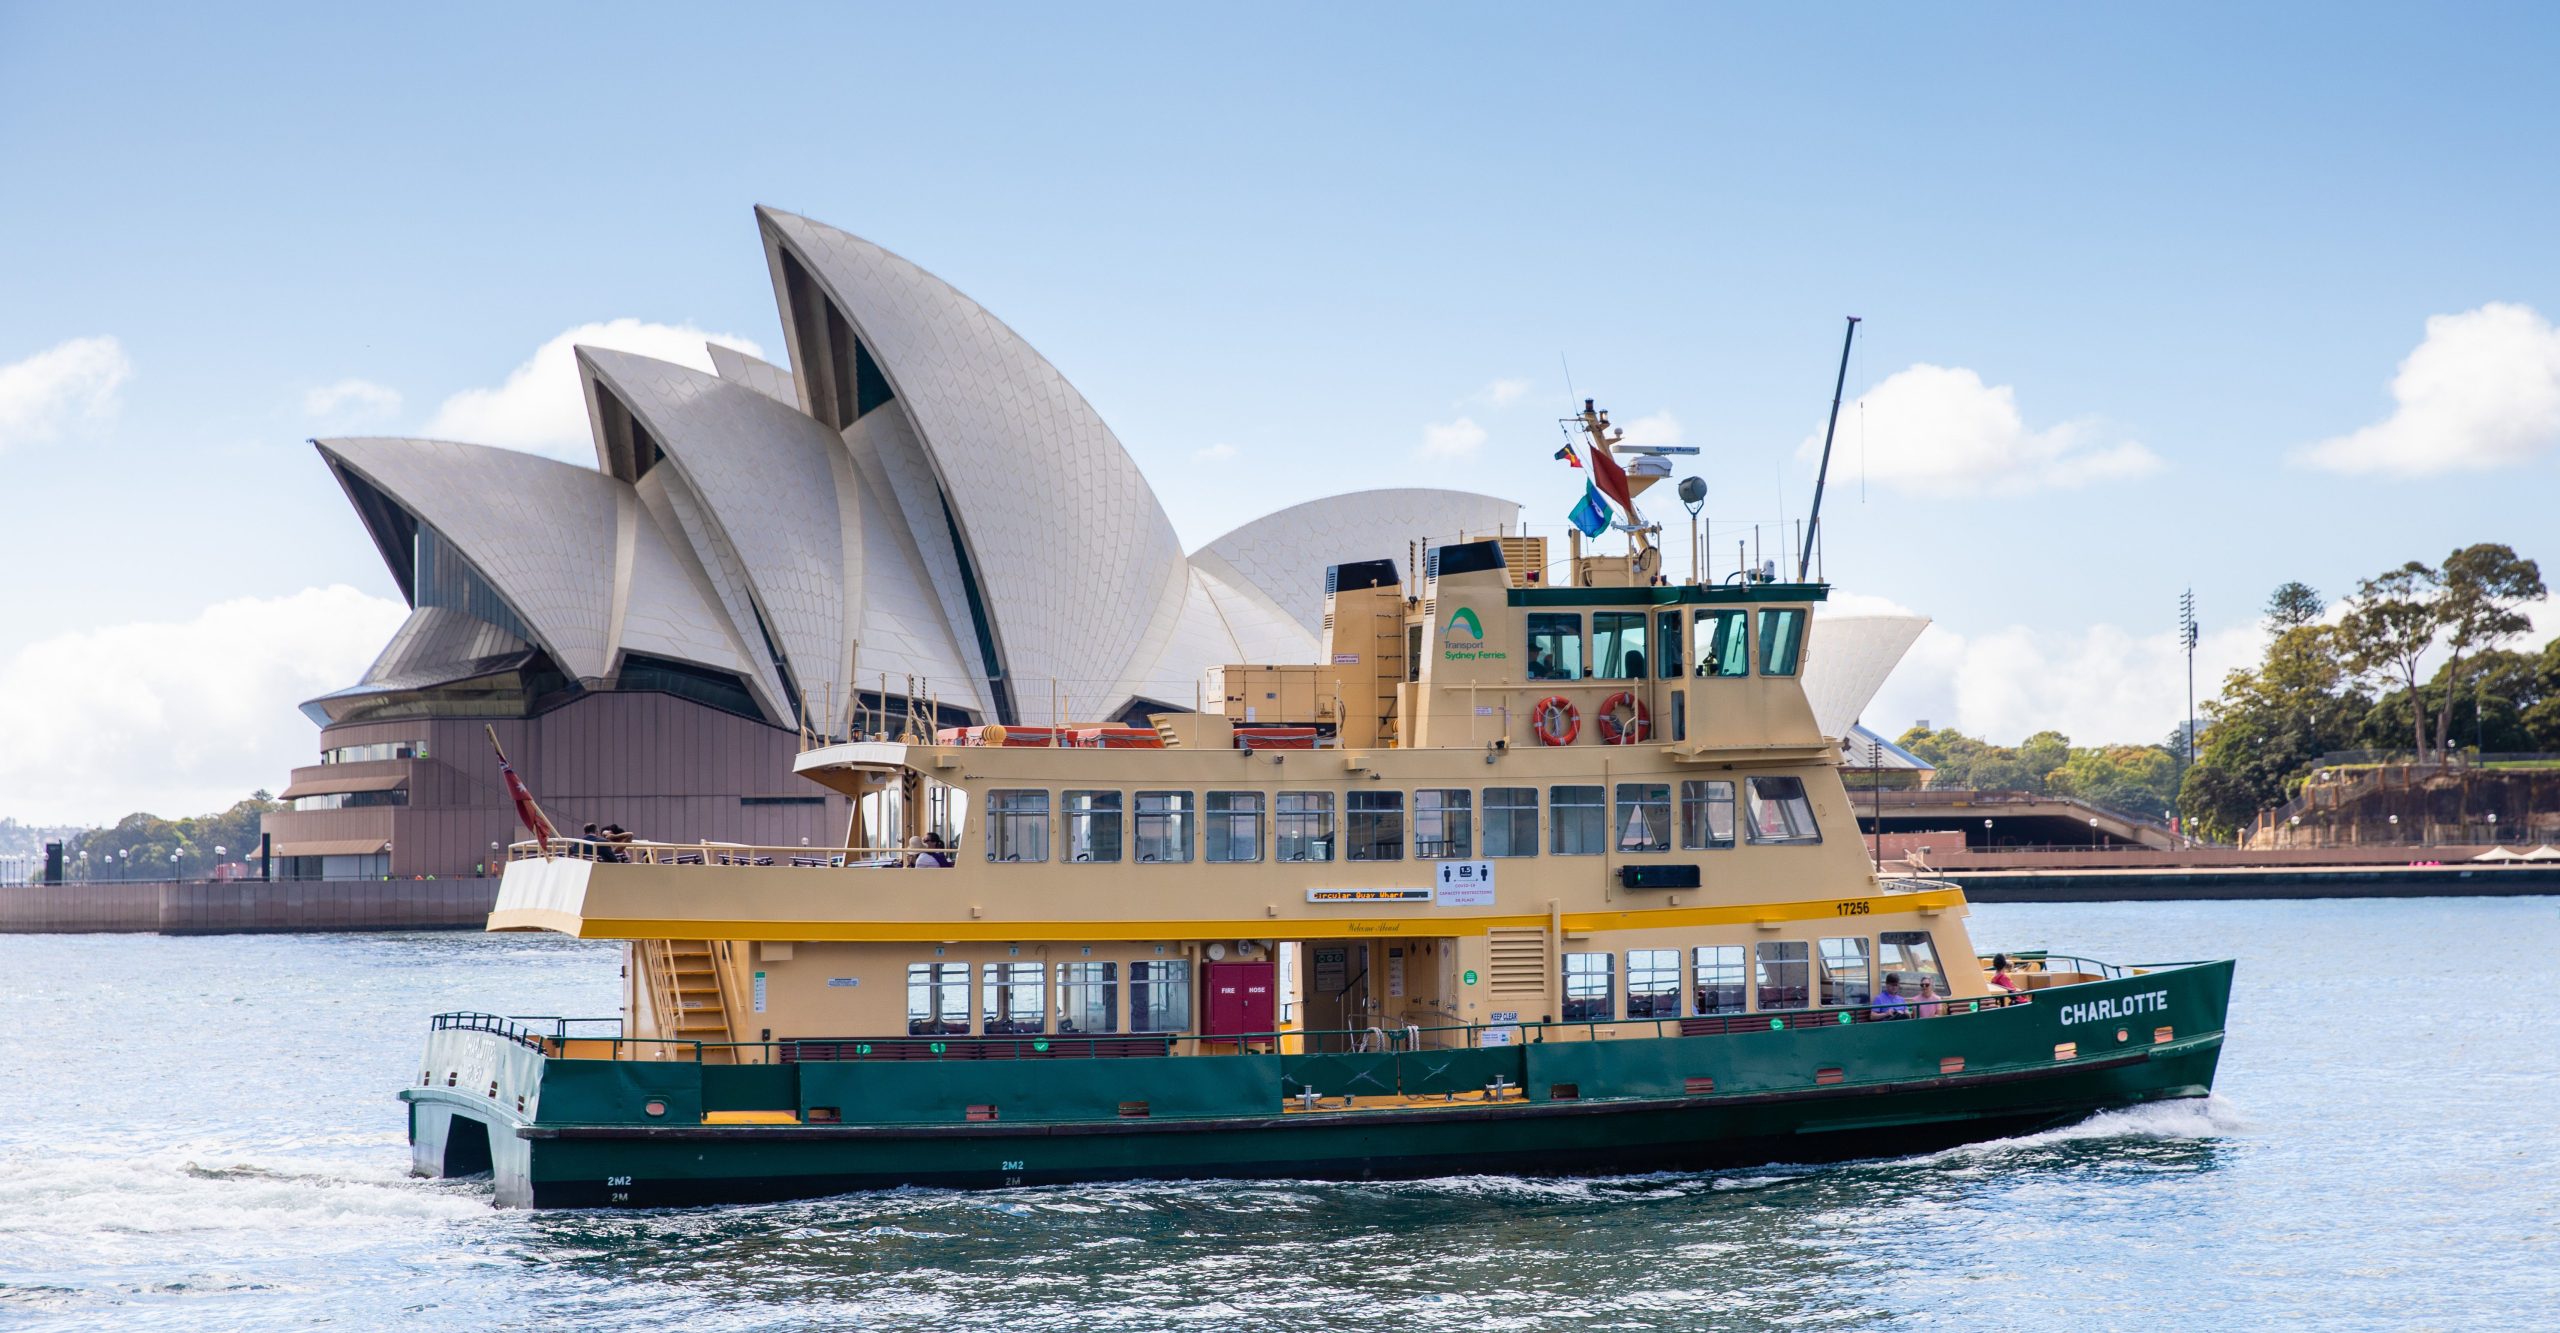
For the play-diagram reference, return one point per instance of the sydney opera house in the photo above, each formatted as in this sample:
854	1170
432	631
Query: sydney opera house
919	513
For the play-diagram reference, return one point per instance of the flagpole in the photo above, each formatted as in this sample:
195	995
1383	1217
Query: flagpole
1804	558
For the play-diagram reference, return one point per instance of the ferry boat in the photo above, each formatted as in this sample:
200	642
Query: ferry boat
1526	876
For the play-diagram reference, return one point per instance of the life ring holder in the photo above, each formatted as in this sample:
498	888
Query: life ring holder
1555	720
1635	731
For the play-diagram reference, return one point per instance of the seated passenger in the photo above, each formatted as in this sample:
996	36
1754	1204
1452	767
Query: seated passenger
1632	666
1889	1001
1929	1004
2000	979
923	852
1542	667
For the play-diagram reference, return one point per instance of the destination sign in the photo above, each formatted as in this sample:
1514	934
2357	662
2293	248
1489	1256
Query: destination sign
1369	895
2122	1006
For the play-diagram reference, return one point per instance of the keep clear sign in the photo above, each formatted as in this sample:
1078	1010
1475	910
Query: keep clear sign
1466	884
1501	1032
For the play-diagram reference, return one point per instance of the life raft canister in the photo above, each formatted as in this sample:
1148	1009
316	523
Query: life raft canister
1555	720
1639	724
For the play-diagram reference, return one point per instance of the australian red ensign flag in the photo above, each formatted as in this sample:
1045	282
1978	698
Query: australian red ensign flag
527	813
1612	480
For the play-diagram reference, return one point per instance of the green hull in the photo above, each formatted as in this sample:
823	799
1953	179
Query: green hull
1802	1093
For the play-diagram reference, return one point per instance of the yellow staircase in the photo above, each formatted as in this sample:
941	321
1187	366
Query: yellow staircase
690	995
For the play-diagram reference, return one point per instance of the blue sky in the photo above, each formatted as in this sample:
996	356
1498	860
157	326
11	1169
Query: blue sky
2166	261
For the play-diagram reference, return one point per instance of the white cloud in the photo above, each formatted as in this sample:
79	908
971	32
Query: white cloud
69	381
1452	440
351	400
2481	391
1216	453
2099	686
1505	392
178	718
541	409
1660	428
1939	430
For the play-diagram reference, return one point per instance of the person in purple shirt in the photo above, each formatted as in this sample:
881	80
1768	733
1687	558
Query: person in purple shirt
1889	1002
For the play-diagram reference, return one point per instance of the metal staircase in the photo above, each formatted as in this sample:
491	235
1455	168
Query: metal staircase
689	992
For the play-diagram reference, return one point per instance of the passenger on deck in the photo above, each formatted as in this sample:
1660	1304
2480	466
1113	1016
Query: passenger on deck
1542	667
927	852
1632	666
2000	979
616	840
1929	1003
1889	1002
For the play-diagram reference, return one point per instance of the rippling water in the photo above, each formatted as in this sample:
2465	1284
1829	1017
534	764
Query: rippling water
200	1134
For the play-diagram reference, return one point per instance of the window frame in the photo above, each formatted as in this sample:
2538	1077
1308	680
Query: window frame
1668	646
1511	813
1779	806
1619	624
1737	967
1453	808
1182	814
1706	802
1074	1003
1782	633
1657	815
1555	623
1146	991
1903	939
1765	983
1837	992
1001	995
1586	1008
1218	817
1373	824
1009	819
1702	642
1319	845
1591	818
1651	1002
939	980
1104	807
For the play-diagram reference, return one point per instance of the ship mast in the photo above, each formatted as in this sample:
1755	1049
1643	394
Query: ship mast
1604	440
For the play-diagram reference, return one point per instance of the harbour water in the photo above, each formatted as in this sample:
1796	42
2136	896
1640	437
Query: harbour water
199	1133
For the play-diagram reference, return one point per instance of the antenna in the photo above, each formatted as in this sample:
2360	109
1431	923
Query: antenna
1805	557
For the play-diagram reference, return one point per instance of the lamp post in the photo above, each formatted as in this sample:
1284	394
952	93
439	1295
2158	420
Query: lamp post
219	852
2093	833
2493	828
1986	835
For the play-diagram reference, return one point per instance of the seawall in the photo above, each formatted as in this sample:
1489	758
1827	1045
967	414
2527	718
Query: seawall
246	907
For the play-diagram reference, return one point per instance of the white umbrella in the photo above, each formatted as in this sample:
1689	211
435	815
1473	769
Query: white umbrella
2545	852
2498	854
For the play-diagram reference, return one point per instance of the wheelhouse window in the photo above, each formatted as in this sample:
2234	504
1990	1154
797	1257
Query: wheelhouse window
1302	821
1093	825
1784	974
1781	812
1846	976
1653	983
1724	643
938	999
1374	826
1666	648
1912	956
1590	987
1781	640
1235	826
1443	828
1088	997
1720	978
1510	821
1014	1000
1017	826
1164	826
1617	645
1644	820
1555	646
1159	996
1579	817
1706	815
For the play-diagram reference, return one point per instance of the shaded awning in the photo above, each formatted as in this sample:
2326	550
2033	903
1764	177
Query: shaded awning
334	847
339	786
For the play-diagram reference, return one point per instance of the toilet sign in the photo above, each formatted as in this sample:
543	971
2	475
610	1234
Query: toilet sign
1466	884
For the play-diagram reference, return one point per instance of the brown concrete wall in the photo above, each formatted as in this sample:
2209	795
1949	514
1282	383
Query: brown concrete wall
655	764
248	906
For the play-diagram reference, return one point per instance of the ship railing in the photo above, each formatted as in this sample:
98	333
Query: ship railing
542	1032
637	852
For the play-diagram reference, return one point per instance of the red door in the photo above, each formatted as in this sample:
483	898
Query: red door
1241	998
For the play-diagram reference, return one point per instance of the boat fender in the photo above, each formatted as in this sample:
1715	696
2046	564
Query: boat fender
1555	720
1636	729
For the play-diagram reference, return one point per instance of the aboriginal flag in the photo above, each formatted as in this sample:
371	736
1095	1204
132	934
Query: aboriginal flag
1568	455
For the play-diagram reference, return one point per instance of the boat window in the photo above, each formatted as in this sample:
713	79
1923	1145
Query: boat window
1160	996
1911	955
1017	826
1235	826
1781	640
1720	978
1093	825
1666	648
1845	972
1780	811
1014	1000
1302	821
1555	646
1579	818
1374	826
1653	983
1511	821
1443	827
938	998
1590	987
1617	645
1706	815
1644	819
1679	715
1783	974
1724	643
1088	997
1164	826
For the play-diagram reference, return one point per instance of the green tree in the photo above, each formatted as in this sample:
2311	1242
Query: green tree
2482	588
2390	627
2292	606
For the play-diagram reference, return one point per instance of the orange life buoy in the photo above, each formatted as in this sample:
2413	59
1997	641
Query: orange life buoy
1556	720
1637	728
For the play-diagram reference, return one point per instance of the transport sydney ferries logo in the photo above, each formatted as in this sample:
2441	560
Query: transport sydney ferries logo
1462	639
